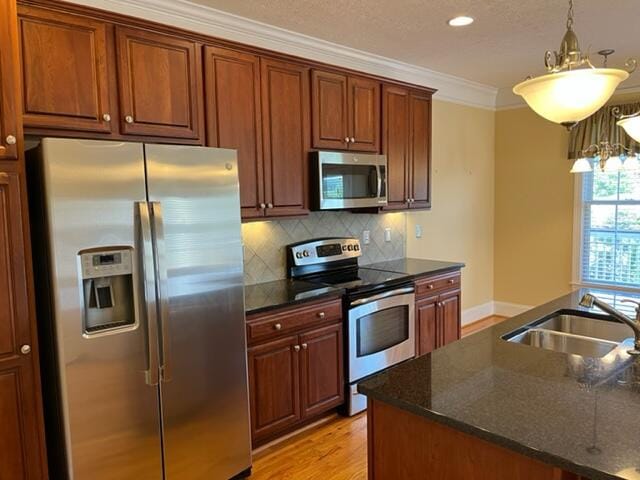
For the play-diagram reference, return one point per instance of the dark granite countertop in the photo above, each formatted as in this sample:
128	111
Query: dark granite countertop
415	267
579	414
281	293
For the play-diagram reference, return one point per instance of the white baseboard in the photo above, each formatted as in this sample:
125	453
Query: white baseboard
484	310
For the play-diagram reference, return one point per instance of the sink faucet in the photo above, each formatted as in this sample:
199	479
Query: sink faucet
590	300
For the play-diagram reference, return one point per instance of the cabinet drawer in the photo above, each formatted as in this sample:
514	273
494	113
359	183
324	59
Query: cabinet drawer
429	285
292	319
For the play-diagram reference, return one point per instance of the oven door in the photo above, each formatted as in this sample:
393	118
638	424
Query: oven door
351	181
381	332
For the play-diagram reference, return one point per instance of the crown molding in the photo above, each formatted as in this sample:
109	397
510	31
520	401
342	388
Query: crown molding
216	23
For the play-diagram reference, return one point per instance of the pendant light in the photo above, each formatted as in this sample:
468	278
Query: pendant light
630	123
573	89
609	157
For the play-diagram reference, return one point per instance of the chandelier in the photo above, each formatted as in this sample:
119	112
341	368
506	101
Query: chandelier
573	89
630	123
610	158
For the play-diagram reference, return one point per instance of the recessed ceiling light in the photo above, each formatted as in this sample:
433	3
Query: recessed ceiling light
461	21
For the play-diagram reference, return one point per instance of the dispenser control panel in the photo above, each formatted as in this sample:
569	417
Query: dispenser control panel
106	264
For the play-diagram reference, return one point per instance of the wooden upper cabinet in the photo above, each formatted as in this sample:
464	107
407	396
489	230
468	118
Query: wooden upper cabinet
406	140
285	123
21	431
65	71
234	118
395	145
364	114
160	84
346	112
9	110
420	150
330	110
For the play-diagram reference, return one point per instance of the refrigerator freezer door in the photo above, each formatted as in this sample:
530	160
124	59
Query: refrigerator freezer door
199	251
111	413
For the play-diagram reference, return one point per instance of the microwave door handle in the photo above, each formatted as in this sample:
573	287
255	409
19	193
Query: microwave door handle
163	293
148	304
374	298
379	182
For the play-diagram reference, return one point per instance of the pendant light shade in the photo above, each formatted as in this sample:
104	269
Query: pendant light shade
632	164
581	165
631	125
571	96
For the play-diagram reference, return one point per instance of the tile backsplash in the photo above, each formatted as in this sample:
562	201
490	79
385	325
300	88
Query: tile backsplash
264	242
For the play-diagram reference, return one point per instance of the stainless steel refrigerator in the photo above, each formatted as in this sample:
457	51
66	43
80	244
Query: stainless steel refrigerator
140	293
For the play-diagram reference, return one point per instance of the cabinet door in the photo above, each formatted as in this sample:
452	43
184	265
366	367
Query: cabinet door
450	307
160	84
21	428
274	386
232	84
285	121
65	71
322	381
427	325
420	150
364	114
395	145
330	110
9	81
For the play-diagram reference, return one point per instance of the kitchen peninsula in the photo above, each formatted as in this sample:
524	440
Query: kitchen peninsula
485	407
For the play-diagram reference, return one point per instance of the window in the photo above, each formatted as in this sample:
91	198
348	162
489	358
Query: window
610	247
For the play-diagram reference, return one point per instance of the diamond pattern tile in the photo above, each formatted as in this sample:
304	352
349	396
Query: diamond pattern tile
264	242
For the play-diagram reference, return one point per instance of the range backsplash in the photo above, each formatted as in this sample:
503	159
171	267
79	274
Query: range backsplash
264	242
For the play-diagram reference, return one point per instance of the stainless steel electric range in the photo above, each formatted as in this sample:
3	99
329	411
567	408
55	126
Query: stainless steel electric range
378	306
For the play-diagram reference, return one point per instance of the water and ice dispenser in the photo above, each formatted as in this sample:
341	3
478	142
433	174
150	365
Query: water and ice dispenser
107	286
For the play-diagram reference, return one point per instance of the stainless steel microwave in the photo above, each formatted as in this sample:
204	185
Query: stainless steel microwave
348	180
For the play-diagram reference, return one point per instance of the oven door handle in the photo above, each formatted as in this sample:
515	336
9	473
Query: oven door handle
392	293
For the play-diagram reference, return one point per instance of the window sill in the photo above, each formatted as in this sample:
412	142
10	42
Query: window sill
604	286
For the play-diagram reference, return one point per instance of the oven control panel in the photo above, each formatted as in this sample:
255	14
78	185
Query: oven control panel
324	250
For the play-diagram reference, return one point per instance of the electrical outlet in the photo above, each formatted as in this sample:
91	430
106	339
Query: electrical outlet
387	234
418	231
366	237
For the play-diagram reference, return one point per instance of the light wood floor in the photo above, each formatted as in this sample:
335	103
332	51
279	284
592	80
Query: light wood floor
335	450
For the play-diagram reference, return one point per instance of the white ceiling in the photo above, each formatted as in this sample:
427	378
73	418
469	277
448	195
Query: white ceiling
505	44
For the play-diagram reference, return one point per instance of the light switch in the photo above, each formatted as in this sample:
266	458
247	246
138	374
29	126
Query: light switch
418	231
366	237
387	234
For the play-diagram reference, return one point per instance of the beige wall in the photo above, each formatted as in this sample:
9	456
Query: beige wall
460	225
534	209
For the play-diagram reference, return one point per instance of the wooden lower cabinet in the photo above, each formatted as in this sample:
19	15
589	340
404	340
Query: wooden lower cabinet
274	383
294	378
22	454
322	376
438	314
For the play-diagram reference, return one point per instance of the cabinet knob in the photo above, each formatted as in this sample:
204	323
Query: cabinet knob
430	286
106	117
269	205
353	140
11	140
128	119
321	315
296	348
263	206
304	346
346	139
278	326
25	349
452	281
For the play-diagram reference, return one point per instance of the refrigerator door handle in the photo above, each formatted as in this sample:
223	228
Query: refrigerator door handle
163	293
149	293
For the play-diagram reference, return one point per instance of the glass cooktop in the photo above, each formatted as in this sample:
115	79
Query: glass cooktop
358	279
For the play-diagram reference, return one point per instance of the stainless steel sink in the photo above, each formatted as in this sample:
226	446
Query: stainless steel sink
587	327
561	342
572	334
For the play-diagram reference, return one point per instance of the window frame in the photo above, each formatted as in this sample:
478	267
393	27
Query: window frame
578	242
